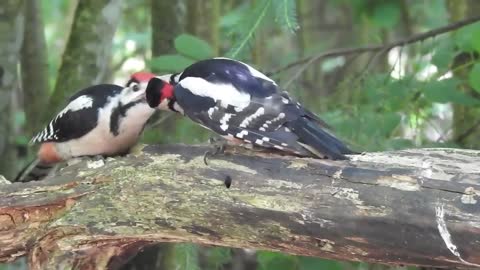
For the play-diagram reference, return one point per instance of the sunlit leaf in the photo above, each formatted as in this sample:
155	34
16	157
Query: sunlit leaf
169	63
474	77
193	47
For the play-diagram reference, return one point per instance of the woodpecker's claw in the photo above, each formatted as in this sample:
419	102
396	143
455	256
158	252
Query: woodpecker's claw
219	146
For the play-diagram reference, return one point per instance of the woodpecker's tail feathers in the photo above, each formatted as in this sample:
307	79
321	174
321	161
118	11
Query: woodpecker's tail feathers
318	140
35	170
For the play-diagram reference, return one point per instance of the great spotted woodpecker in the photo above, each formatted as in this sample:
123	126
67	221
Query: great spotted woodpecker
242	104
104	120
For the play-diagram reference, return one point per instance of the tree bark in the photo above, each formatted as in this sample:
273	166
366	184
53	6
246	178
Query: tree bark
413	207
34	67
11	27
88	52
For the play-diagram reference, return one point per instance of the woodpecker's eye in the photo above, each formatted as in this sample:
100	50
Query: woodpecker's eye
135	87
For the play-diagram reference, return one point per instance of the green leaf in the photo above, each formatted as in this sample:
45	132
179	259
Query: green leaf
186	257
467	38
386	14
286	14
276	261
169	63
445	91
249	25
310	263
193	47
217	257
443	55
474	77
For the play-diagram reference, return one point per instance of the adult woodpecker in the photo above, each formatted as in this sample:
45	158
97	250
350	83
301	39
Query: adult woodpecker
104	119
243	105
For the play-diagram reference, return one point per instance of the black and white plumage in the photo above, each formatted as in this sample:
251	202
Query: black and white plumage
240	103
103	119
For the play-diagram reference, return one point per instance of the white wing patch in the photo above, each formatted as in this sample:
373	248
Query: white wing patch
81	102
224	121
226	93
251	117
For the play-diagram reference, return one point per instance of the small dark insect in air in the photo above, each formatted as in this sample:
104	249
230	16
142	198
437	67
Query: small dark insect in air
228	181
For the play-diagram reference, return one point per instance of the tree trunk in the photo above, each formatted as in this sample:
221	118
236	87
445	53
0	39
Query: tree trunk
412	207
88	52
203	17
165	27
34	67
11	27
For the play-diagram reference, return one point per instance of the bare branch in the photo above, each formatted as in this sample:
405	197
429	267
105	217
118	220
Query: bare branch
307	61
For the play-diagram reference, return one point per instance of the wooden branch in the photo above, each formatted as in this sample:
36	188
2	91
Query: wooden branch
307	61
415	207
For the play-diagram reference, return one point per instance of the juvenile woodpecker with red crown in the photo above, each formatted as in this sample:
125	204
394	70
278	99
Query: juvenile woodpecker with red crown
101	120
243	105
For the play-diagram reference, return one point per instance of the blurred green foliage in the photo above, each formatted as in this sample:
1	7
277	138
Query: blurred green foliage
371	102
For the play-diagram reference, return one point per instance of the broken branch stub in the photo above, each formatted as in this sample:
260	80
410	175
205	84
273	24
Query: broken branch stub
415	207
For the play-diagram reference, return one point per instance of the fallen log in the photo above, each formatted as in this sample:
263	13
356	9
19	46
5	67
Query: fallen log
412	207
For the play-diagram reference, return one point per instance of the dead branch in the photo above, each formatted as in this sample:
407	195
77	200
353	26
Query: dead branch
414	207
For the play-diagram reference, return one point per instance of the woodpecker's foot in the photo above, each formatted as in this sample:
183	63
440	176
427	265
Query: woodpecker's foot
219	146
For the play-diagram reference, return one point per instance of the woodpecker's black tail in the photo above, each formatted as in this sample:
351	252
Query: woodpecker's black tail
35	170
318	140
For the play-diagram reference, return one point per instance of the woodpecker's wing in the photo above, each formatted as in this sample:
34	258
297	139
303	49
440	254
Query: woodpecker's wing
80	115
253	120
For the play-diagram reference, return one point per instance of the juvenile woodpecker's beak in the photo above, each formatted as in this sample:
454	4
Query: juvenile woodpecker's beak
153	92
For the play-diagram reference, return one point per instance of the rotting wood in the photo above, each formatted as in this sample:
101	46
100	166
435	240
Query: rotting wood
414	207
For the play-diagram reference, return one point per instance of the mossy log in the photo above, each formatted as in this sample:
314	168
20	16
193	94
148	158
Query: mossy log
413	207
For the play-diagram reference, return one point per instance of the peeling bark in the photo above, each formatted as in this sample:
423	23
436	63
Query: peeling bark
413	207
88	51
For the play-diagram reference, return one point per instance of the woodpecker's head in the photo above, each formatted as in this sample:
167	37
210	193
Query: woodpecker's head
134	91
159	93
